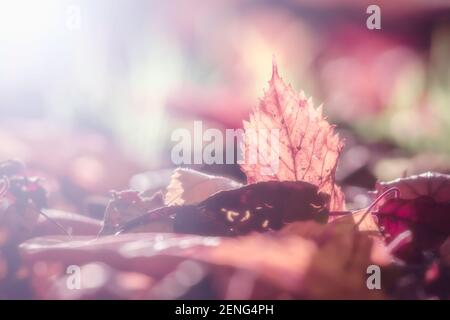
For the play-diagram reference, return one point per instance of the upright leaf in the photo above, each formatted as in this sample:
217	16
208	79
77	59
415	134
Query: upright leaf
308	148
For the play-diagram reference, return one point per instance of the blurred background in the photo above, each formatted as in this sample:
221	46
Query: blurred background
90	91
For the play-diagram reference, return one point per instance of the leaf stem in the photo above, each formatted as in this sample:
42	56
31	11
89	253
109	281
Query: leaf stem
393	190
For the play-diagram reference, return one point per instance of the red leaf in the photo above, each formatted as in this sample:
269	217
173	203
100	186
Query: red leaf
423	208
432	184
308	148
428	220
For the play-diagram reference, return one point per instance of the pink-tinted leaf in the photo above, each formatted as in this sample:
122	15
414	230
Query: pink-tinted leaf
444	252
50	281
21	200
428	220
74	223
308	148
423	208
308	261
431	184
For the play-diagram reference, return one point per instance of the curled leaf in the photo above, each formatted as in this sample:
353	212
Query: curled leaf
422	207
431	184
125	206
428	220
256	207
189	187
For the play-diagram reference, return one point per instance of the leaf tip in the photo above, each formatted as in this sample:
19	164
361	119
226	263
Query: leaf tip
274	68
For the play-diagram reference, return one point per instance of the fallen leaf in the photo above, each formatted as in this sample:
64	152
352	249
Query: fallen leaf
21	200
428	220
338	269
431	184
11	168
74	223
14	282
190	187
330	264
260	207
125	206
308	148
422	207
280	262
50	281
346	228
363	220
444	252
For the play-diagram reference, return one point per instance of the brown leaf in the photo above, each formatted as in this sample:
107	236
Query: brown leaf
125	206
261	206
190	187
308	148
309	260
367	224
338	270
281	262
342	228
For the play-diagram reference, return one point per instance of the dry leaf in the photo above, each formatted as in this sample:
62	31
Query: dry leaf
338	270
308	146
74	223
190	187
329	263
281	264
262	206
125	206
368	224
